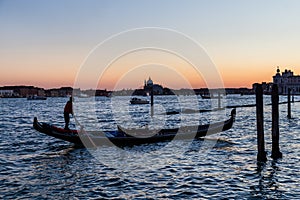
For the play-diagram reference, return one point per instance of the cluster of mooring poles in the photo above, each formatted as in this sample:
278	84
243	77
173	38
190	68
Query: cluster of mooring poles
262	155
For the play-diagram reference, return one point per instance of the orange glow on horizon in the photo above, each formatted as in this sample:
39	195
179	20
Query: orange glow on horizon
164	68
135	79
168	69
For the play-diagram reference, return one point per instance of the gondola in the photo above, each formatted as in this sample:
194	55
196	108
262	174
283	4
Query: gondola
128	137
35	97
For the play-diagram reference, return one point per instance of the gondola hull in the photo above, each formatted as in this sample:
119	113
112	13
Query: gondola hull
129	137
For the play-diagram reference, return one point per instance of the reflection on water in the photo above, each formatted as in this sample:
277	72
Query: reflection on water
268	186
35	166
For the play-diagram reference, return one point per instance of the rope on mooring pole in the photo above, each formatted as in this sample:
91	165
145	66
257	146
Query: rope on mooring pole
275	123
261	155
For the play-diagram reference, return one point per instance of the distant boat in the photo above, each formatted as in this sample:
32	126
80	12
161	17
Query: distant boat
35	97
138	101
82	95
208	96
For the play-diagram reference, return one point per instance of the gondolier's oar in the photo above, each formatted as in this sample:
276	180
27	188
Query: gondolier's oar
77	122
81	129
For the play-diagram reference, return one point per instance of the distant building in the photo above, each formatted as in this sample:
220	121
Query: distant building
22	91
63	92
6	93
157	89
267	87
287	80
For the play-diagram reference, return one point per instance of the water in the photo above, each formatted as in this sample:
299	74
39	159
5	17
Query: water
35	166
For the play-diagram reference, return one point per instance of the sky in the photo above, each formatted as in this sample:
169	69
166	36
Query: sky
49	43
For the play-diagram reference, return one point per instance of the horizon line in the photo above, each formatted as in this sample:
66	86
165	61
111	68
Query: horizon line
59	87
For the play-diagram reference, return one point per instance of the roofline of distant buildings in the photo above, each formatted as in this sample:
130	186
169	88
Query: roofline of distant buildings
286	80
25	91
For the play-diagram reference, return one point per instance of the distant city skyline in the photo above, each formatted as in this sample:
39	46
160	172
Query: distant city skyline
45	43
140	85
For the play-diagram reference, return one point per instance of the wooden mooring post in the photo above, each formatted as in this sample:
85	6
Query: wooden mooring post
152	102
219	100
275	123
261	155
289	116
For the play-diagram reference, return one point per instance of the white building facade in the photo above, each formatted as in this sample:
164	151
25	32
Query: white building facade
6	93
287	80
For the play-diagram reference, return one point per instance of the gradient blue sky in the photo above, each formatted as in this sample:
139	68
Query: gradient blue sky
44	42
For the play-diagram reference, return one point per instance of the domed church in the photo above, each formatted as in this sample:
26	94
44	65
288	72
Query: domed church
157	89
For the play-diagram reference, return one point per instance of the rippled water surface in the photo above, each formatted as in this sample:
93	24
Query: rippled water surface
36	166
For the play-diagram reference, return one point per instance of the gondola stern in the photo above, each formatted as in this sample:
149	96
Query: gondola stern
233	113
35	121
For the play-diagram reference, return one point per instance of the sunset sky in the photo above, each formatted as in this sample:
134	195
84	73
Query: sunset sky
48	43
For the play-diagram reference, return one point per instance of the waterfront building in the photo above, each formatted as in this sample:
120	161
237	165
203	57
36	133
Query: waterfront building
6	93
63	92
22	91
287	80
157	89
267	87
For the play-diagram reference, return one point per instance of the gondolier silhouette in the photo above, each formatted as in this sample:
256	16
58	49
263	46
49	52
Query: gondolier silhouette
67	111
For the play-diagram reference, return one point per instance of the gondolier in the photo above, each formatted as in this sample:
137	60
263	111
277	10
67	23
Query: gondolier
67	111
